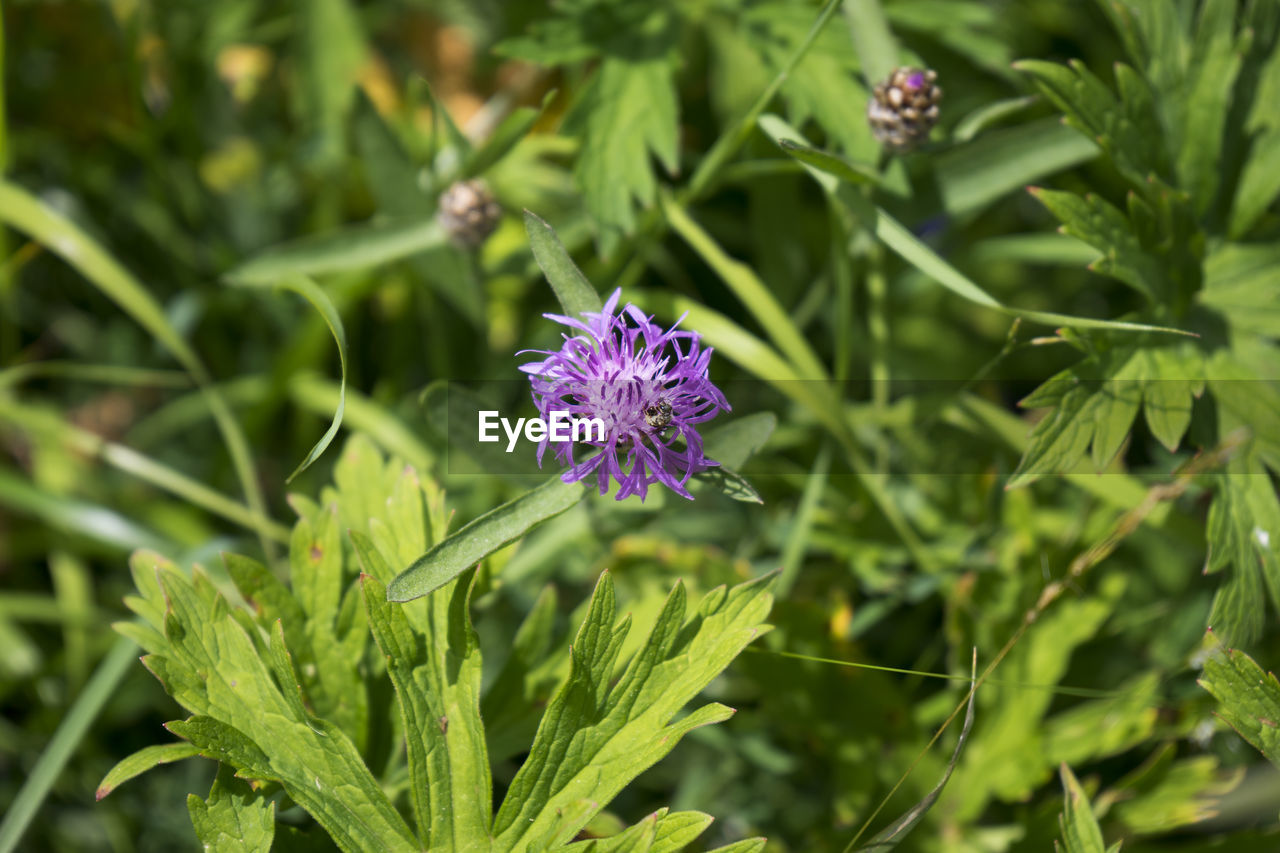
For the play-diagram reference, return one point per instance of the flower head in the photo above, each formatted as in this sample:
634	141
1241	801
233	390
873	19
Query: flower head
649	387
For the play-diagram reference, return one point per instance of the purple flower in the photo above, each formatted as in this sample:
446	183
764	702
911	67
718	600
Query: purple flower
648	387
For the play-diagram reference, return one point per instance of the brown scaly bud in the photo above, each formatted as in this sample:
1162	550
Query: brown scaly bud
469	213
904	108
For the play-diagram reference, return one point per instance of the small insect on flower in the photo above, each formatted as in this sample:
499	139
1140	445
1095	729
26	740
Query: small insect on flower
904	108
649	387
658	416
469	213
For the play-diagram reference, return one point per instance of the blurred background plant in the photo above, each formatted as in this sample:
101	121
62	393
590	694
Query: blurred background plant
165	163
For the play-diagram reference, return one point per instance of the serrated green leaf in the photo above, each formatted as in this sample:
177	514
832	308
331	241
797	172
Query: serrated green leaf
437	680
1103	226
1059	440
310	291
1080	831
1127	127
575	293
1211	75
592	739
1243	532
632	113
142	761
235	818
1259	183
477	540
1249	699
1166	793
1166	396
213	667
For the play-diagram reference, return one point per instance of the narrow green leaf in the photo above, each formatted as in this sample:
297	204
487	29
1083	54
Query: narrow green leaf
142	761
420	88
839	167
988	114
1080	831
506	136
971	176
352	248
235	818
66	738
332	49
310	291
877	48
749	289
892	835
27	214
576	295
733	139
729	483
913	251
477	540
747	845
71	516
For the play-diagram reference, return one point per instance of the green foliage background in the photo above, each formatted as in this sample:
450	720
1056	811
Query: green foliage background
177	175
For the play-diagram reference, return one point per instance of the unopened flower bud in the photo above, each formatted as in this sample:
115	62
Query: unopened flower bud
469	213
904	108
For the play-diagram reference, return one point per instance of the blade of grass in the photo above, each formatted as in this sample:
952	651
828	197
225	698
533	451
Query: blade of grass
109	374
889	837
732	139
802	521
122	458
319	395
971	176
877	48
761	360
73	728
310	291
749	290
76	517
25	213
898	238
352	248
